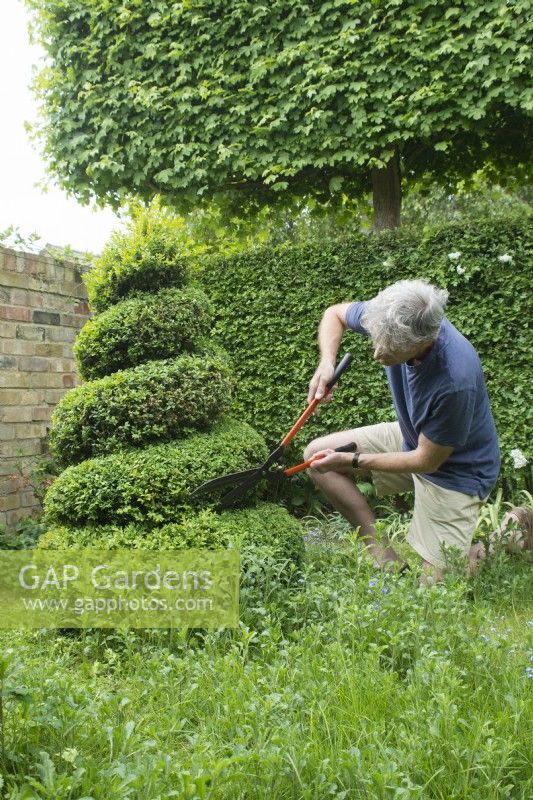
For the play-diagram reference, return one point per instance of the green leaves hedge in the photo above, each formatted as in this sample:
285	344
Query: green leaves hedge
155	402
267	525
152	486
270	301
145	327
260	101
144	258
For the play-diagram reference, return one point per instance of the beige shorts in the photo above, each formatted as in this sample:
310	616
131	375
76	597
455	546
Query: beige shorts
440	516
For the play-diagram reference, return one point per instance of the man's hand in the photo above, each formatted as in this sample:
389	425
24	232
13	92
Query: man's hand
318	384
328	460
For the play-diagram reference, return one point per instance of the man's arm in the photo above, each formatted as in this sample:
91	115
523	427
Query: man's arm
427	457
330	332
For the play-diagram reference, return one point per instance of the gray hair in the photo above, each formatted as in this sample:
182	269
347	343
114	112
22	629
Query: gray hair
405	315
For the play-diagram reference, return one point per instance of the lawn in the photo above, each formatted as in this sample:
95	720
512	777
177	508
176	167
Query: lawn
349	685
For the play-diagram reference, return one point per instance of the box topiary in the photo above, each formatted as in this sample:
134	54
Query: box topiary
152	485
141	328
266	525
155	402
150	427
148	255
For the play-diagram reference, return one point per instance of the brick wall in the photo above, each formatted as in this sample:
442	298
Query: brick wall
43	304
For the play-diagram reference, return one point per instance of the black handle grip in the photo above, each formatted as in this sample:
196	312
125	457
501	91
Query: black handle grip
342	366
351	447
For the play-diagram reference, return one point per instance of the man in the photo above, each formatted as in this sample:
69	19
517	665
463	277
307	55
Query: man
444	445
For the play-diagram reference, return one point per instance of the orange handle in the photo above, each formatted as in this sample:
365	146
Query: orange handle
343	365
299	422
301	467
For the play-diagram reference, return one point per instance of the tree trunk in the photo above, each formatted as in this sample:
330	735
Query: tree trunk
387	195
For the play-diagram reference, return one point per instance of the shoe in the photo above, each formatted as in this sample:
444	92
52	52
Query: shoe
517	529
393	570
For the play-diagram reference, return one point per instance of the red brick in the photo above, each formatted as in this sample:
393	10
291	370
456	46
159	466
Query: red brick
82	308
16	313
10	261
34	264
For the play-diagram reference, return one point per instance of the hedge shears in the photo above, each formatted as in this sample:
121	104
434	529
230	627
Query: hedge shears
271	469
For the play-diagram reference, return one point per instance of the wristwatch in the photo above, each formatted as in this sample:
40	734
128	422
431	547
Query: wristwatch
351	447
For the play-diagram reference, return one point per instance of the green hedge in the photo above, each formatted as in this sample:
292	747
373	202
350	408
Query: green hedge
270	301
266	525
153	485
155	402
146	257
145	327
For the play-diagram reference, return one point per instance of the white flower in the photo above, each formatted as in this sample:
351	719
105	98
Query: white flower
505	259
460	270
519	459
388	263
454	256
69	755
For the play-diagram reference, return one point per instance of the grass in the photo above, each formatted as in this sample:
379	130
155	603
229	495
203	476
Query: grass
349	685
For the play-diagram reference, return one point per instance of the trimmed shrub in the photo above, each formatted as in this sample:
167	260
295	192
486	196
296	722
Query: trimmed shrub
155	402
138	427
266	525
152	486
270	301
145	327
145	257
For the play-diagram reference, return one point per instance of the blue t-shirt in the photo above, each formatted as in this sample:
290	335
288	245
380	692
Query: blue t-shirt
445	398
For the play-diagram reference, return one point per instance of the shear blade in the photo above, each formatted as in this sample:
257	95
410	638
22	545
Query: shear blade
224	480
240	490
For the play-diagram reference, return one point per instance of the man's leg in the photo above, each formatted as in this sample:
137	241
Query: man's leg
440	517
341	490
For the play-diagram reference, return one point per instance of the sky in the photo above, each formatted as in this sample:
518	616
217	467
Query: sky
57	218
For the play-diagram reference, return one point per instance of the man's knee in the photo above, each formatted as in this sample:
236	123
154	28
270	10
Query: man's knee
312	448
330	441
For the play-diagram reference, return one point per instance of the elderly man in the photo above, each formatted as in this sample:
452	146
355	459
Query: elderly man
444	444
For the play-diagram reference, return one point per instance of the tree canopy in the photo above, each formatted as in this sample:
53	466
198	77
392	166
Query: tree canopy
201	99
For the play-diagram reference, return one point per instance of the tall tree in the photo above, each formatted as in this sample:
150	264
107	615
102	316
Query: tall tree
265	103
